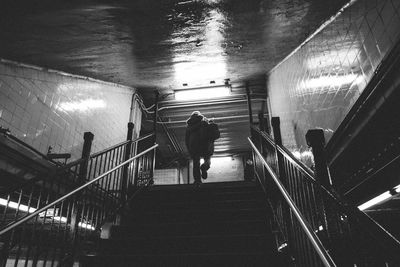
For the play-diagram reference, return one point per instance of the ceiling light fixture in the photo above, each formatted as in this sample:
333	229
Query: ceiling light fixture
203	93
380	199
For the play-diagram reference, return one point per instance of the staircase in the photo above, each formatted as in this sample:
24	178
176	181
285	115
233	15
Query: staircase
218	224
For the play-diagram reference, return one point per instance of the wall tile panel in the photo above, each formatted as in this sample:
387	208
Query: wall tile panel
317	85
48	108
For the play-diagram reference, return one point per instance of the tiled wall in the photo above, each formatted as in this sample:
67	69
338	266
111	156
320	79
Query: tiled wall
317	85
48	108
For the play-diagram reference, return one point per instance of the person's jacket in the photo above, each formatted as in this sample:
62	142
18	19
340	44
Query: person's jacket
196	137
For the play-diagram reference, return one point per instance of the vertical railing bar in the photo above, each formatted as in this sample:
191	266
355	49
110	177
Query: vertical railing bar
121	181
76	173
311	204
90	165
3	222
108	178
96	194
58	224
36	257
93	205
29	242
51	183
15	217
300	203
118	175
295	185
95	167
22	230
25	225
100	169
66	230
58	232
114	174
35	221
84	198
50	233
296	232
304	185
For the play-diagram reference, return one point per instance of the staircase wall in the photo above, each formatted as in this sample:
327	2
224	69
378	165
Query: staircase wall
50	108
318	83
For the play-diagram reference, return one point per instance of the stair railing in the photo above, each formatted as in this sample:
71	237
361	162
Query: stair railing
318	227
49	219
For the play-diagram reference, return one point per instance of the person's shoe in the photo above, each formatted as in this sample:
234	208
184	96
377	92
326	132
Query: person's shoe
197	183
203	172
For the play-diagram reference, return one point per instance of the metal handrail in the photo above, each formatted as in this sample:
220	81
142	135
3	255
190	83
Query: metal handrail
315	241
309	174
121	144
36	213
374	229
31	148
70	165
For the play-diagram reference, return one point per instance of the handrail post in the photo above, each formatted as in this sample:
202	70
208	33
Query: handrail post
157	95
316	140
276	128
77	208
124	187
249	103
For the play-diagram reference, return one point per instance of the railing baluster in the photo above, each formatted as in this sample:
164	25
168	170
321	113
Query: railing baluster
319	205
34	234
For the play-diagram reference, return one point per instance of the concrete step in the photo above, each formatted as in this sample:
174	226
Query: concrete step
190	228
201	215
188	244
267	259
191	204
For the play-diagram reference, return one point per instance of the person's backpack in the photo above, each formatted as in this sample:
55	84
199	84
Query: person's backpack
212	131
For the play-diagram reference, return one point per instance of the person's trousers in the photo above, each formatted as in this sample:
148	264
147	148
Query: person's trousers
196	166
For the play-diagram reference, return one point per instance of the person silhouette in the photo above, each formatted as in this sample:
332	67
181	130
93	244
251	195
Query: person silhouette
200	136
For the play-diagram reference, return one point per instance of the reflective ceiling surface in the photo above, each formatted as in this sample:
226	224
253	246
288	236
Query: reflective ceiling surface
163	44
159	43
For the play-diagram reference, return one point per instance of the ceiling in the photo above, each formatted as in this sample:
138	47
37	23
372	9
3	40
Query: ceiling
164	44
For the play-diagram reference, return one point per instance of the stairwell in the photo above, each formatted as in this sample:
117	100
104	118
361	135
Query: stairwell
218	224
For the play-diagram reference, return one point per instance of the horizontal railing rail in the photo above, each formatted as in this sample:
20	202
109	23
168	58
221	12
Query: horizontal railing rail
73	192
49	218
7	133
348	234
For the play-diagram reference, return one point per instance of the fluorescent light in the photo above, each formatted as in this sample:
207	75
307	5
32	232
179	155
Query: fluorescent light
24	208
379	199
344	58
376	200
82	105
397	188
329	81
15	206
202	93
86	226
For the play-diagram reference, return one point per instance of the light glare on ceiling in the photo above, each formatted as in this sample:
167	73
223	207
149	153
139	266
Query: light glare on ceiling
206	93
